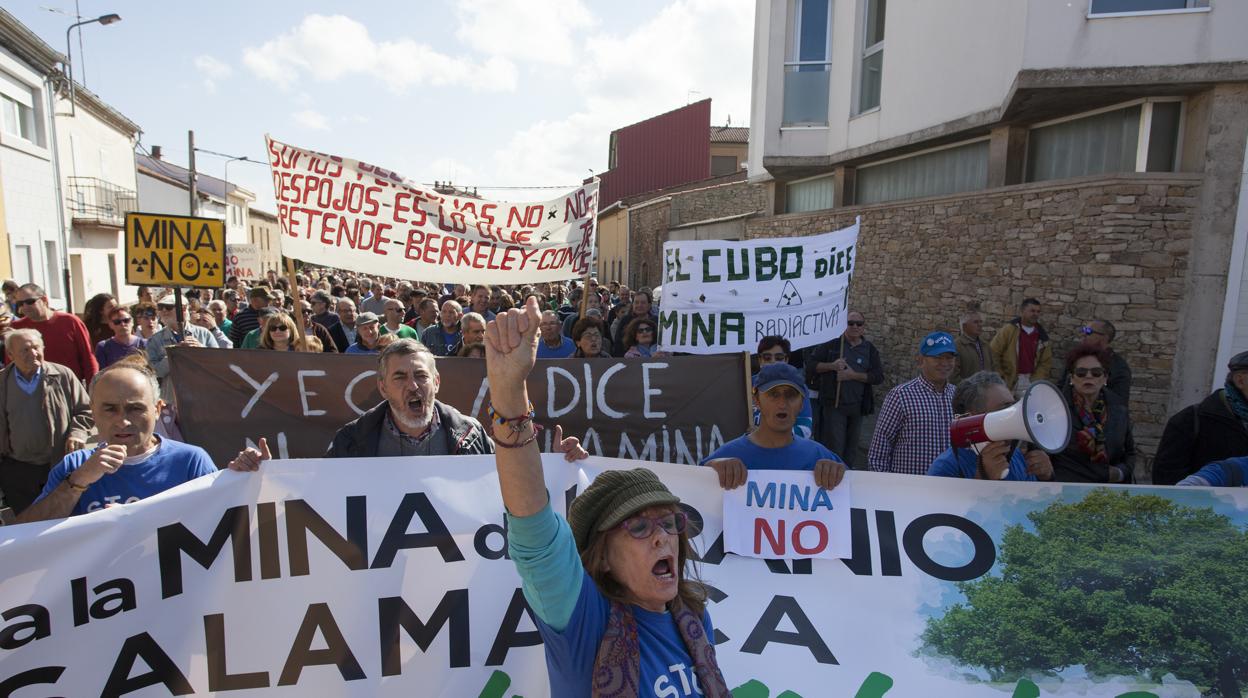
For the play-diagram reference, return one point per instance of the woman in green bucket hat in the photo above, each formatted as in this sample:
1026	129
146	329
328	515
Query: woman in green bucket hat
617	604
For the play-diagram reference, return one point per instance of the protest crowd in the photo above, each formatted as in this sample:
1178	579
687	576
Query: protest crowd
90	421
53	358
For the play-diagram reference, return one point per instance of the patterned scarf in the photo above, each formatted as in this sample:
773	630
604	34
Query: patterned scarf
617	668
1235	400
1091	439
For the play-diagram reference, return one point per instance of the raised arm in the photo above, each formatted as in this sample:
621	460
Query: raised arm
510	352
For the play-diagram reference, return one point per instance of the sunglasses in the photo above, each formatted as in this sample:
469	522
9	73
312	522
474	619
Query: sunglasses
123	321
642	527
855	323
148	314
279	328
1088	330
28	301
776	356
1085	372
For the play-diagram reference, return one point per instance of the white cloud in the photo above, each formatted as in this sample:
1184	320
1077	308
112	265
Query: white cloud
702	45
212	70
331	47
538	31
311	120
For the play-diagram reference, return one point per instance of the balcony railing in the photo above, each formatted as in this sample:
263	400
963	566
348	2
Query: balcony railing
96	200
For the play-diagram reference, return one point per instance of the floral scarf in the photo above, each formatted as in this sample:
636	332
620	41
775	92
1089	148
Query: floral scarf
1090	440
617	667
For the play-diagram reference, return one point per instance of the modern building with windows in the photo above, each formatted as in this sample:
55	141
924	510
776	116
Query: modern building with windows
31	225
1087	152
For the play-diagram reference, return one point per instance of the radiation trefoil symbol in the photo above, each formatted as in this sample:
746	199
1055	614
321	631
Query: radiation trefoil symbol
789	296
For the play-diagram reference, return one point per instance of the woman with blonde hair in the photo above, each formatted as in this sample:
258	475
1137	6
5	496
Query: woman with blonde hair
279	333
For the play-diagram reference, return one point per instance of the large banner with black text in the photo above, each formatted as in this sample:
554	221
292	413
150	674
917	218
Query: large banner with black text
674	409
390	578
348	214
722	296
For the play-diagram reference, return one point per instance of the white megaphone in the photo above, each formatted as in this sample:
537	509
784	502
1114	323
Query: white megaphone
1041	417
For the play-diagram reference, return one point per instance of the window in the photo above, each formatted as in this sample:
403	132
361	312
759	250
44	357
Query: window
112	274
23	268
815	194
1107	7
871	70
934	173
723	164
53	265
18	109
808	70
1141	137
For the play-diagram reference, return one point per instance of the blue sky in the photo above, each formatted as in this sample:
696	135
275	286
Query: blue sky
482	92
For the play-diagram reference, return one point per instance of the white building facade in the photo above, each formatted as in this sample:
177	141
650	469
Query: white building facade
96	157
862	103
28	166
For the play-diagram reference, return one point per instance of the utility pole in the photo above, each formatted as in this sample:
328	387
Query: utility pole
190	150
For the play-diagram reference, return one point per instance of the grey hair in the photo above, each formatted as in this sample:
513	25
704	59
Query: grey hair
406	347
14	335
968	398
454	304
472	317
34	289
216	303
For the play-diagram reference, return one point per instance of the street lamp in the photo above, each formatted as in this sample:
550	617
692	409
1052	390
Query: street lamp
110	18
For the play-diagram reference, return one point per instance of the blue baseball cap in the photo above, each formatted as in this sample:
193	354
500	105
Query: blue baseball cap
937	343
773	375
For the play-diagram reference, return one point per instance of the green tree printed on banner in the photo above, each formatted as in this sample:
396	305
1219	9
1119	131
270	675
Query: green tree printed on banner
1121	584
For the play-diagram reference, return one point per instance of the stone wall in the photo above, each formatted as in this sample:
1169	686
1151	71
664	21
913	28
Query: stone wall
717	202
1111	247
647	231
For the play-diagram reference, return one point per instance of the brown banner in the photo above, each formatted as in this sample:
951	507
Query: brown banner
675	409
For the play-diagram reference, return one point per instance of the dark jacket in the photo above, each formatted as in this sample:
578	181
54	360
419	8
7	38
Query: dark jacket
1073	465
333	325
360	438
825	383
432	338
1196	436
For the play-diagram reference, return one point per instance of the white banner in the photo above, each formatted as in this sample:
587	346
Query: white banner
348	214
389	577
783	514
243	261
724	296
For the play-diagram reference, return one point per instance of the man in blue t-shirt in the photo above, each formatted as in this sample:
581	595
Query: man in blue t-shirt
130	463
1232	472
981	393
779	391
553	344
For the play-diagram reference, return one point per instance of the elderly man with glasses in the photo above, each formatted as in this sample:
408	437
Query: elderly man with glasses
176	331
553	343
65	338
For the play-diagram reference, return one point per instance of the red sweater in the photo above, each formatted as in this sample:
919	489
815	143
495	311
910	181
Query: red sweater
66	342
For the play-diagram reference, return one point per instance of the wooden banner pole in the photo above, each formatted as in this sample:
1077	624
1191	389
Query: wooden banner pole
749	393
301	344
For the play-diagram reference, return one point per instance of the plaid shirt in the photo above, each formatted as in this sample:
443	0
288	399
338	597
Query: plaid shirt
913	428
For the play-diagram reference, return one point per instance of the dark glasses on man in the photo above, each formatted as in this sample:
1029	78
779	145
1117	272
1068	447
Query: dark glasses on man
1088	330
27	301
122	321
855	323
1085	372
673	523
